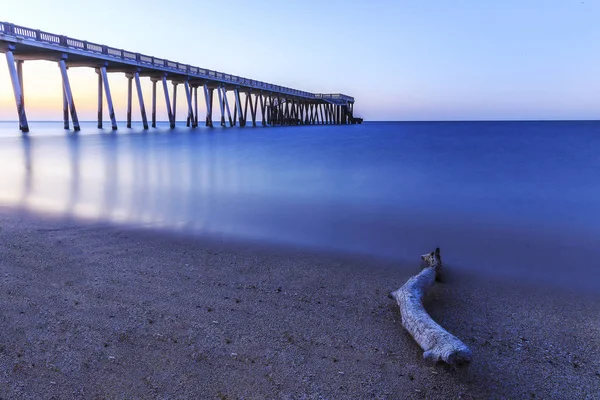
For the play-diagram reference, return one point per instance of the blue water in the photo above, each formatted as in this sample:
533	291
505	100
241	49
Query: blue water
514	198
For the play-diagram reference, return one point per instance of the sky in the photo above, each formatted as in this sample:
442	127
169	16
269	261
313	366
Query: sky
400	60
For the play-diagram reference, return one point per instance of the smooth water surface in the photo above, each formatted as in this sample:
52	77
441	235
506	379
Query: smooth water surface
517	198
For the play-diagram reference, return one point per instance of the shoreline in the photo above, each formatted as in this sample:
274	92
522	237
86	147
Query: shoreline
99	310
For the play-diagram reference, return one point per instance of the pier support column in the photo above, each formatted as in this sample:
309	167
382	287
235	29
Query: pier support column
208	98
296	118
188	96
99	99
227	106
222	105
138	86
168	102
304	113
322	117
238	105
195	123
111	109
65	110
246	106
271	111
19	100
153	80
262	109
253	108
286	112
235	113
307	112
21	83
334	114
69	94
129	95
279	110
174	110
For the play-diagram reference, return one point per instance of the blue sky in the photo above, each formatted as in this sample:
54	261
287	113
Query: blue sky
401	60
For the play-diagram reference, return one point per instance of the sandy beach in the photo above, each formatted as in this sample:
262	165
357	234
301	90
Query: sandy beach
92	310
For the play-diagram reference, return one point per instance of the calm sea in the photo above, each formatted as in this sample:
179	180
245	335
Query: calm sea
514	198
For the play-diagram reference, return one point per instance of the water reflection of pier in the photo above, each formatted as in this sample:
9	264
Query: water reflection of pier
172	180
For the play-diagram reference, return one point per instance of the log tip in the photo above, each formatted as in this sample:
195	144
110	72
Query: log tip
458	357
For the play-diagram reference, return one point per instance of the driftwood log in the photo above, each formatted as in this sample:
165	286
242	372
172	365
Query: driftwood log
438	344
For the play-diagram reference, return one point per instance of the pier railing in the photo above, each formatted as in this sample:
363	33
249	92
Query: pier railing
21	32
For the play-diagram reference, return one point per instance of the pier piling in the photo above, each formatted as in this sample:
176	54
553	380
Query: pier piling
69	94
138	86
16	83
111	109
168	103
99	102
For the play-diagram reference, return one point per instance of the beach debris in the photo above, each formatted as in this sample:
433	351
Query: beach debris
437	343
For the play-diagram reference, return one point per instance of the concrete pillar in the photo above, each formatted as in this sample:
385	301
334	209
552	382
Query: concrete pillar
111	109
65	109
153	102
238	105
19	100
168	102
322	117
253	106
222	105
234	112
69	94
138	86
227	105
286	112
99	99
188	96
262	109
129	95
21	83
208	98
174	110
246	106
195	124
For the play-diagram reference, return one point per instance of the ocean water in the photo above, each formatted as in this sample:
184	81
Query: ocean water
519	199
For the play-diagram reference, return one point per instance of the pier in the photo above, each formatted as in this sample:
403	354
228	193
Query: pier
274	105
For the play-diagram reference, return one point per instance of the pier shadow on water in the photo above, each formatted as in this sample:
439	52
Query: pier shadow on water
514	199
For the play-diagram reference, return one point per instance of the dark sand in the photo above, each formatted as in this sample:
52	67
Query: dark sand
97	311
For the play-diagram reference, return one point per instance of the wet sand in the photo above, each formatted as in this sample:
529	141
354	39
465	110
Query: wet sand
100	311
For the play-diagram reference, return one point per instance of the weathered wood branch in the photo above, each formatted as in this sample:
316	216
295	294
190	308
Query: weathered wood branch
438	344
